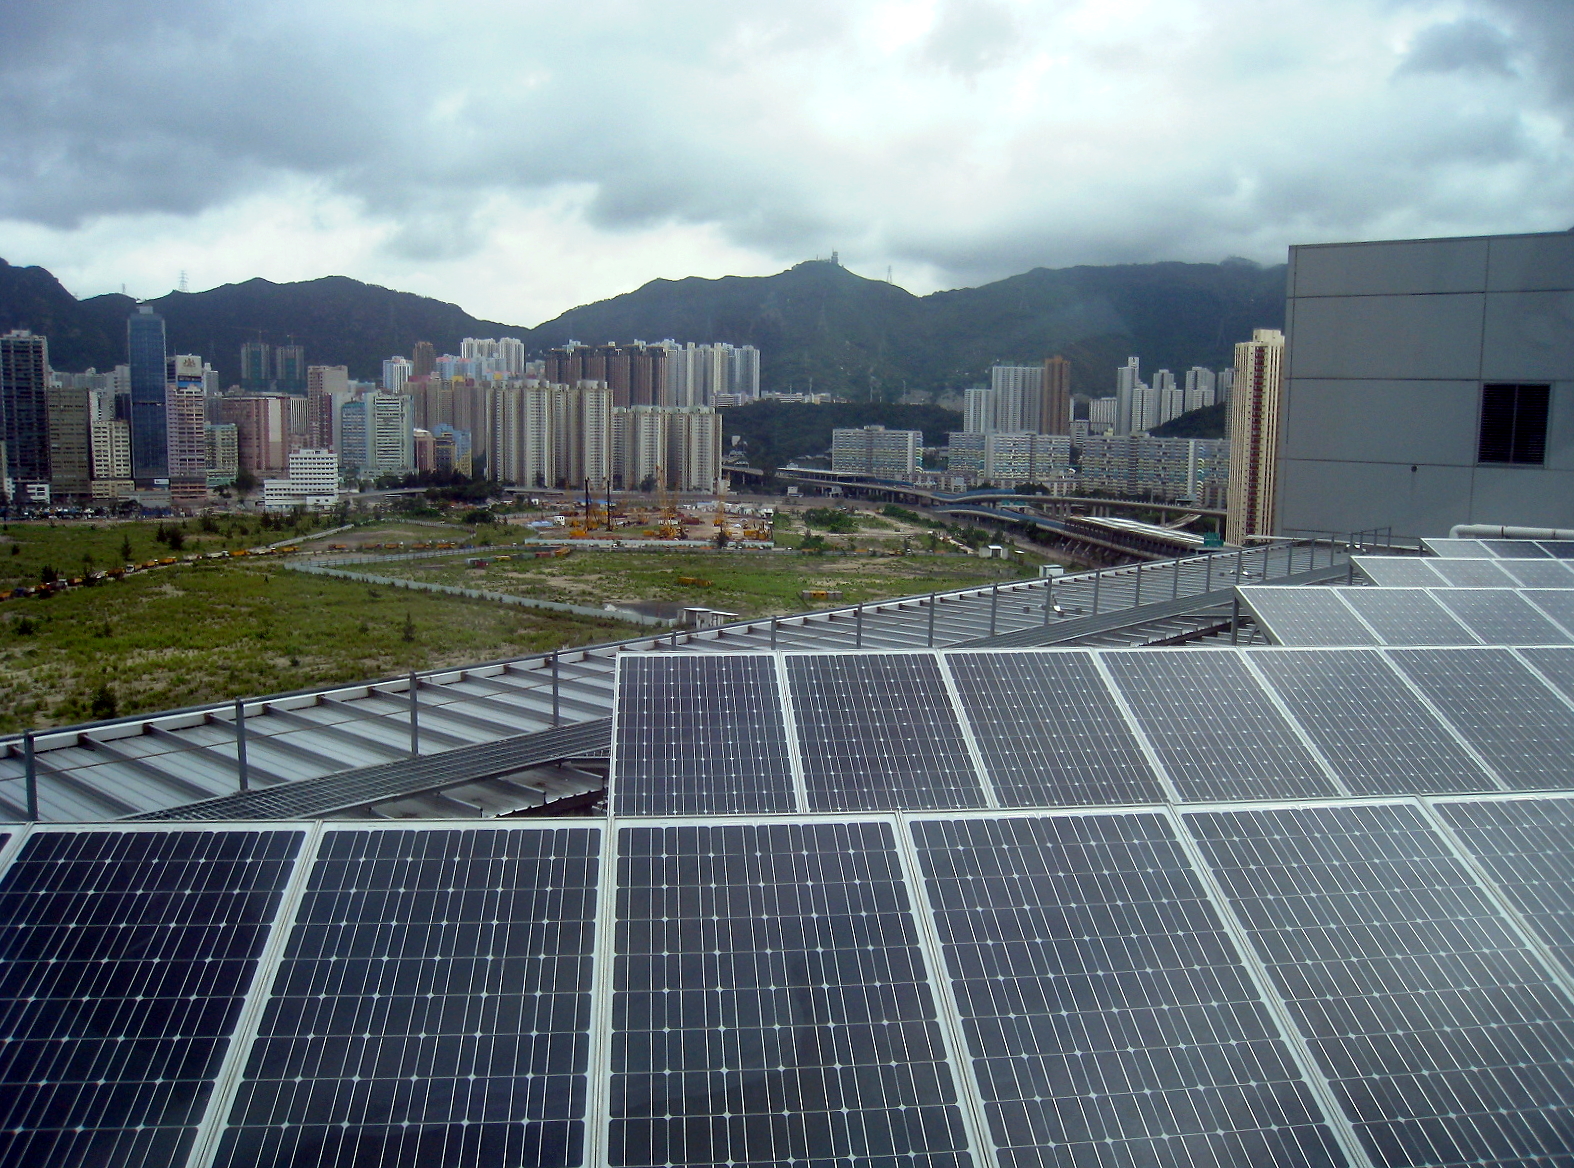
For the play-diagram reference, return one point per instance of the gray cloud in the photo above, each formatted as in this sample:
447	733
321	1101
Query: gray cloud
967	137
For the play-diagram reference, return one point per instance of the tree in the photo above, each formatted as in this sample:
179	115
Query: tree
409	627
721	539
103	706
125	549
245	482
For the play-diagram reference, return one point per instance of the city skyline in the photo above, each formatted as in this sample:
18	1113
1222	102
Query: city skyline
949	142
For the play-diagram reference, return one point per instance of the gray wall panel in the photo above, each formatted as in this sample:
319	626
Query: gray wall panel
1525	496
1435	338
1529	336
1352	496
1529	262
1382	421
1387	268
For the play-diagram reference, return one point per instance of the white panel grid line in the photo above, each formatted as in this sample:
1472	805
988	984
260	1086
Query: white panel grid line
1295	726
1135	726
598	1063
612	748
963	1071
206	1143
985	779
1300	1050
9	851
1561	626
1339	592
1519	655
800	783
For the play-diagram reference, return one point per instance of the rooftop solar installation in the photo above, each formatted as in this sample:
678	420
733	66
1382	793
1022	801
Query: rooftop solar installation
432	1005
127	956
1108	1016
1514	549
772	1005
1562	549
1518	724
1472	573
1398	571
1050	731
1214	729
1458	549
1556	665
1380	737
1539	573
1500	617
1407	616
877	732
1306	616
1556	603
1445	1038
700	734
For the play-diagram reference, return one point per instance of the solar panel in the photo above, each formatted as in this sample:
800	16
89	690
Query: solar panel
1050	731
1109	1018
1399	571
1539	573
1557	665
1444	1038
1562	549
876	732
1501	617
700	734
1458	549
1379	736
1216	732
127	956
1514	549
1472	573
1306	616
771	1005
1518	725
1526	846
1407	616
431	1008
1558	604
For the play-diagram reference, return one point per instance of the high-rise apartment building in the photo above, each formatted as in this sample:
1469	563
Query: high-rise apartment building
978	410
1055	407
148	359
185	398
326	387
223	459
390	443
289	369
1128	378
24	414
1103	414
1199	391
396	371
262	428
312	483
1009	459
109	446
70	445
874	450
1254	434
1194	470
423	359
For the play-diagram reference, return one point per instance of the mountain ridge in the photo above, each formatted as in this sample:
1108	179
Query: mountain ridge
817	325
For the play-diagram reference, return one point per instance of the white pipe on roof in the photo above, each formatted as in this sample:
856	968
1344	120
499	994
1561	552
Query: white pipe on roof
1489	531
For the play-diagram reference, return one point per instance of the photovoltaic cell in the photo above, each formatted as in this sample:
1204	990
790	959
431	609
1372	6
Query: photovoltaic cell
1454	549
1399	571
771	1006
1472	573
1215	730
1108	1015
1562	549
1501	617
700	734
1306	616
1407	616
1526	846
1557	666
1445	1040
1050	731
1518	725
1539	573
1558	604
1379	737
1514	549
431	1008
876	732
125	958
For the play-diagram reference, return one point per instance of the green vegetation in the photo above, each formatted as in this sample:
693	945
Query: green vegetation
777	432
219	629
745	582
1208	422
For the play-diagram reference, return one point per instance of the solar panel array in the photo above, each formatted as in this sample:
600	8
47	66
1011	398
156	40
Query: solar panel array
1399	615
1074	727
1334	983
1506	549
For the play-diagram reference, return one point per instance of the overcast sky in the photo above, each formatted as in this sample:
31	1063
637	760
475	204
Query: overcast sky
519	157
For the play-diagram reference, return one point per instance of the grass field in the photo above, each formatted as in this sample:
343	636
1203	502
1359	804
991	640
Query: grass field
222	629
749	583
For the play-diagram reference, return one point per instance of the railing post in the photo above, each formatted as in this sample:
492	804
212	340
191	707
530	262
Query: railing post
415	715
242	771
1049	590
1175	582
555	688
858	626
1235	620
933	600
1207	583
1097	576
30	769
994	605
773	634
1136	593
